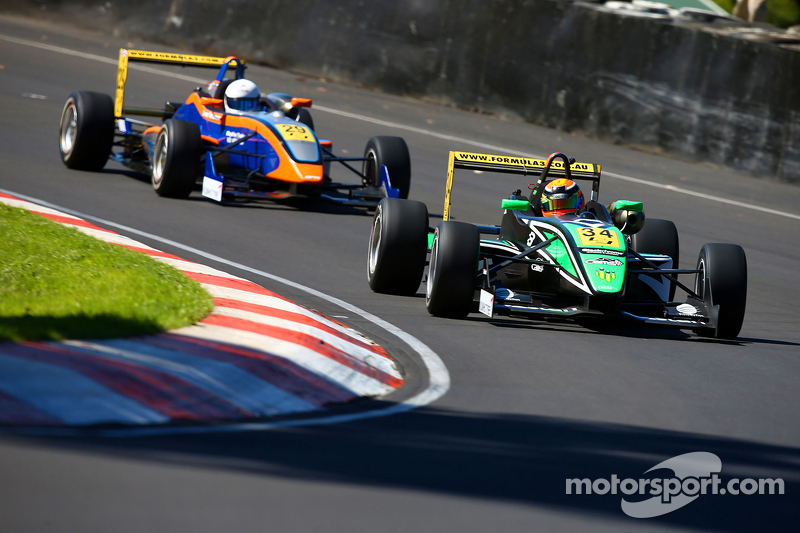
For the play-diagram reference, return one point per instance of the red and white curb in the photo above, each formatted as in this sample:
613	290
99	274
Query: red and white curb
257	354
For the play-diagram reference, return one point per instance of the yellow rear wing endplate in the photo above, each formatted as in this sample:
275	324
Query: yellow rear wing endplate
183	60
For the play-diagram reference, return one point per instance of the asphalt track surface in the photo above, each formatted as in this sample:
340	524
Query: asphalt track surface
531	403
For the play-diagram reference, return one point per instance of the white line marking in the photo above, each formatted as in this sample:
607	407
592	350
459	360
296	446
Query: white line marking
438	376
705	196
496	148
404	127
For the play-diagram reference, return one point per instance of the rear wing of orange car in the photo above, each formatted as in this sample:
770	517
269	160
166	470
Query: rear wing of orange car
553	166
184	60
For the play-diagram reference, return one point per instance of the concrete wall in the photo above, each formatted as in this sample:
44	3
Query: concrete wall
623	79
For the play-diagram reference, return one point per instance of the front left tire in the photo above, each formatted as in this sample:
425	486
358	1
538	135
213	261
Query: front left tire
722	281
398	245
659	236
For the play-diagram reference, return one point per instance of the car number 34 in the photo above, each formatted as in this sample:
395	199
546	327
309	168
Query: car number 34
598	237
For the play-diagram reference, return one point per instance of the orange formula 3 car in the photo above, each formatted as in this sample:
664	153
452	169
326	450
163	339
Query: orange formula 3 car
227	137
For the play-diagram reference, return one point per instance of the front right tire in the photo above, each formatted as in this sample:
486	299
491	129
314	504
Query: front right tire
453	269
176	158
393	153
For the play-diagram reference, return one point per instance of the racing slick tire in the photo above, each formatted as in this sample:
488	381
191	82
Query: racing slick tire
86	134
453	269
392	152
304	117
722	281
398	245
659	236
176	158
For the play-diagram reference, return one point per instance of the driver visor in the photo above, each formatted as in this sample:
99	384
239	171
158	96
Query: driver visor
242	104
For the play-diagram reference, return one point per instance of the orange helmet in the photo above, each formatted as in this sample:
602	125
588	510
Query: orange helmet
561	197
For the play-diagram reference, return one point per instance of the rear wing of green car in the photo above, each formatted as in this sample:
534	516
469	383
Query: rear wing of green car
553	166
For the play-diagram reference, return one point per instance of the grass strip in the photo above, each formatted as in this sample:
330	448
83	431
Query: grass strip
58	283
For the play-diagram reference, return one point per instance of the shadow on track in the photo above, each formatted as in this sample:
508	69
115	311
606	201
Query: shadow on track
513	458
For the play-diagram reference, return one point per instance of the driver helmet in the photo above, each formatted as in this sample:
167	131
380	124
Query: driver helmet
241	95
561	197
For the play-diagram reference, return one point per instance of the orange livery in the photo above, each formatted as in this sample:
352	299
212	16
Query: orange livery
227	137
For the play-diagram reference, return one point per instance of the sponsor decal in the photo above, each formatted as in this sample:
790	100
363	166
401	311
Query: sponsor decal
212	189
486	305
209	115
537	268
687	309
232	136
607	275
316	178
602	251
693	474
518	161
178	58
603	261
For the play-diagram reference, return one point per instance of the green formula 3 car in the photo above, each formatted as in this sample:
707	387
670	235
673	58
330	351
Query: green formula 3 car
593	260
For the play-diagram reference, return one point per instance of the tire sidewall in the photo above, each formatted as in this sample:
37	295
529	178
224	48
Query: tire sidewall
398	246
174	173
67	156
393	153
452	273
93	136
375	252
727	264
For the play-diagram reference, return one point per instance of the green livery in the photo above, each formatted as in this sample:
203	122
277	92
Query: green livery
584	260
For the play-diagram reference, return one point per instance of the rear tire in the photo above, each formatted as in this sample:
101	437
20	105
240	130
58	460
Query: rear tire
176	158
453	270
722	281
392	152
398	245
304	117
659	236
86	134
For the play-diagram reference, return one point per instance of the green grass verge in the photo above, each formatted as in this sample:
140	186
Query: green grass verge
57	283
